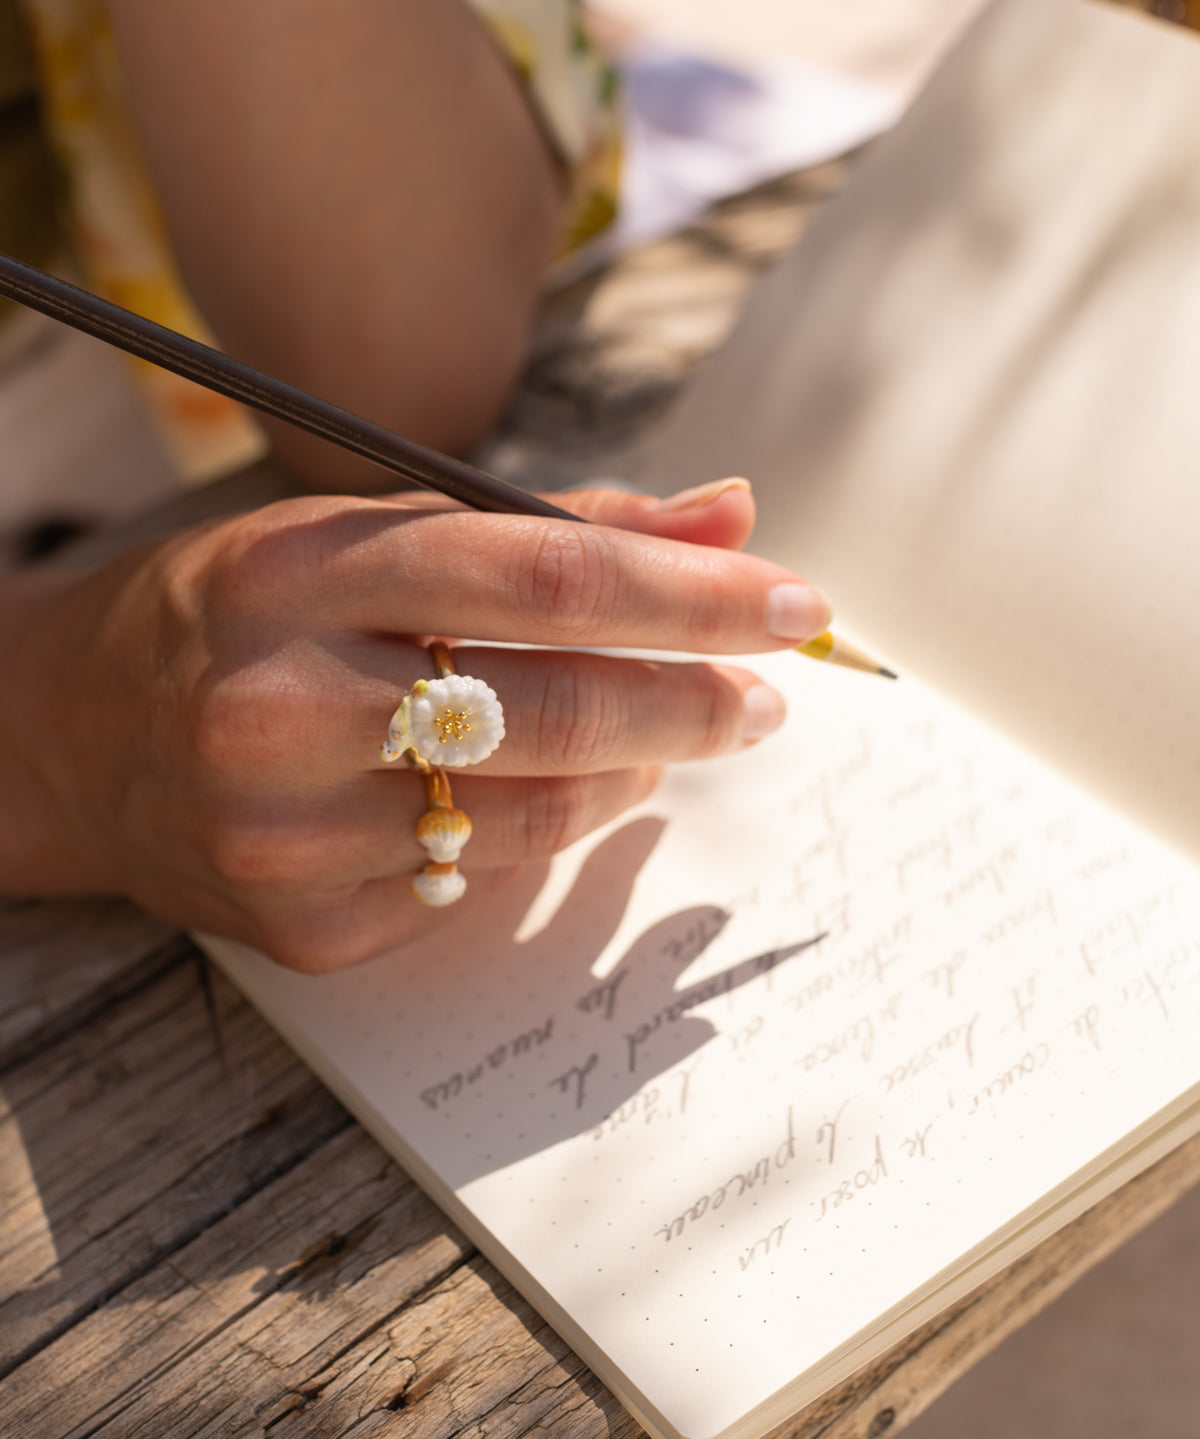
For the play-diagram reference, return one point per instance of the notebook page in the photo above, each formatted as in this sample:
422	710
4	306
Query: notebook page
755	1065
970	400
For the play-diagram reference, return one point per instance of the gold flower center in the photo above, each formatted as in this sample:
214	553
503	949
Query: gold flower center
451	725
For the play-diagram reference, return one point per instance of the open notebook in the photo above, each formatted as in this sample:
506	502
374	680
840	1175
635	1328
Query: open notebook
754	1081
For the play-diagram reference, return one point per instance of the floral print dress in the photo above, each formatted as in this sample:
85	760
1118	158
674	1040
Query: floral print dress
118	237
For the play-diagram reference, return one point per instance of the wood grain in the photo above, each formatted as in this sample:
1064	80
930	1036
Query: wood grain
60	960
300	1284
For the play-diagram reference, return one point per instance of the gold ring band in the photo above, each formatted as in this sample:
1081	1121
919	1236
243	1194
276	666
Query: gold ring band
443	659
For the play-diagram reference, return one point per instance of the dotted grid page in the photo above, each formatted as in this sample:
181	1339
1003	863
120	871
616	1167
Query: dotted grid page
970	399
747	1084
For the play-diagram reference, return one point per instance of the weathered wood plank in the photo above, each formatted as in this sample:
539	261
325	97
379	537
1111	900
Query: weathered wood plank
525	1379
274	1322
60	961
271	1294
135	1134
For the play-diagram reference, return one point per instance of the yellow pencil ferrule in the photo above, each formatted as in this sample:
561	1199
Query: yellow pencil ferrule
820	648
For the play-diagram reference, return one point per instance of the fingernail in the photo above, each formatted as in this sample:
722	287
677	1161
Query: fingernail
696	499
764	711
797	612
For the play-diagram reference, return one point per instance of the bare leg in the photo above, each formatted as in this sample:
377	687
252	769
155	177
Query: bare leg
360	198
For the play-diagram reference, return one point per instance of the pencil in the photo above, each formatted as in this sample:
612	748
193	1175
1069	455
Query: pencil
210	368
148	340
841	652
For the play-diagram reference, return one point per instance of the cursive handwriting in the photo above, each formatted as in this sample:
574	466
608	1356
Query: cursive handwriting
1022	1069
739	1183
764	1246
497	1058
853	1184
857	1037
574	1080
959	1037
603	998
708	989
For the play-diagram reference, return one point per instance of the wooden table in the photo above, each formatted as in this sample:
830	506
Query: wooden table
197	1240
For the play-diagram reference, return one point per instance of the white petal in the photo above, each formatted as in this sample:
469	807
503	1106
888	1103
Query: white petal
461	694
442	833
437	890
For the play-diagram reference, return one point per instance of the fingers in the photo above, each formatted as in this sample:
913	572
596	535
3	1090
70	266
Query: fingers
337	888
516	578
571	713
720	514
579	714
661	577
370	919
367	829
586	738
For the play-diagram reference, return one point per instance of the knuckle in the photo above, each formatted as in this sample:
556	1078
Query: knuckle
233	582
290	947
291	547
557	813
247	860
342	928
707	619
221	731
222	723
719	716
259	854
251	717
281	543
581	722
569	582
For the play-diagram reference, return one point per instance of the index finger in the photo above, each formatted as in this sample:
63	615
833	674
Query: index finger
536	581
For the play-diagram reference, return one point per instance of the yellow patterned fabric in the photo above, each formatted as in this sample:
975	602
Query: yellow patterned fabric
118	236
29	199
574	89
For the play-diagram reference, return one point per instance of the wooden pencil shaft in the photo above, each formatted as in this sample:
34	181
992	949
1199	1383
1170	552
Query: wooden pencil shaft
215	371
172	351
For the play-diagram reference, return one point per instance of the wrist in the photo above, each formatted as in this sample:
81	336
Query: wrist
36	849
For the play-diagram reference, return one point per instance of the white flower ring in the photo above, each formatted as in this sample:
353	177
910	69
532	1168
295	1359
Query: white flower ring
455	720
452	720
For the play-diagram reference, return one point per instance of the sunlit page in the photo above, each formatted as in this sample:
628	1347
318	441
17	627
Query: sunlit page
765	1059
970	400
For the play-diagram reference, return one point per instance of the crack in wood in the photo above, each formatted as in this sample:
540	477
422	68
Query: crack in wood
324	1254
163	1255
140	976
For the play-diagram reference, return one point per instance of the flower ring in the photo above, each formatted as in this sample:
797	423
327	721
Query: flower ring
453	720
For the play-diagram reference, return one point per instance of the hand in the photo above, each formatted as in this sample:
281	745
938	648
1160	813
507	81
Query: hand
198	725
